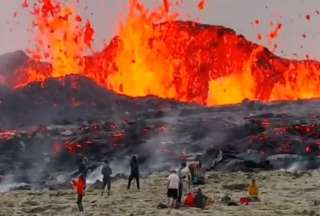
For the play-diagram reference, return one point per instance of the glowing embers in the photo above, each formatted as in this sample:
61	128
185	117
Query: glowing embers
7	135
313	148
288	139
105	136
305	130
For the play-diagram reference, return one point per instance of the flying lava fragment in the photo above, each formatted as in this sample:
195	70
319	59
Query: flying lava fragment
201	4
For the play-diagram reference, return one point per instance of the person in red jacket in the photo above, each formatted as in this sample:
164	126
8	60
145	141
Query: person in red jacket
79	186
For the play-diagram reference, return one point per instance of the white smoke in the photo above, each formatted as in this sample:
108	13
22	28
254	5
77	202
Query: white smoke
9	184
95	175
5	187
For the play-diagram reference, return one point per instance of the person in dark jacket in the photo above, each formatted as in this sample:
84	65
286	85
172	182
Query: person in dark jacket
201	200
83	169
106	173
134	172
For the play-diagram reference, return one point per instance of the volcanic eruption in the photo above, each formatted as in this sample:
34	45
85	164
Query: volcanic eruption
154	53
146	92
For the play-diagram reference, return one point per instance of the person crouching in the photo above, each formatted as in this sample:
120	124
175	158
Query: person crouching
173	189
80	186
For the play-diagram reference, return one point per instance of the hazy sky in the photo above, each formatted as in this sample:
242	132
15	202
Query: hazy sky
237	14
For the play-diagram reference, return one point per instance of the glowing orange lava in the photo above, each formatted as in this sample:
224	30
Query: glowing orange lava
60	39
155	54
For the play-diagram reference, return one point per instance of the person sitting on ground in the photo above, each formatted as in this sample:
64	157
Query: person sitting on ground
253	191
134	172
80	186
197	200
106	172
173	189
200	199
185	181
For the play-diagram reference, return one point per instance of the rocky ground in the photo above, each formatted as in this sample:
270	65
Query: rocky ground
282	193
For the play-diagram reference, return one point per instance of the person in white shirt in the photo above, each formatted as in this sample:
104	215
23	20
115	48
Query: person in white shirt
185	180
173	188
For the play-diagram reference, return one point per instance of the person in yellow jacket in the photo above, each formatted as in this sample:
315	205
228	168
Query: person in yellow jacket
253	191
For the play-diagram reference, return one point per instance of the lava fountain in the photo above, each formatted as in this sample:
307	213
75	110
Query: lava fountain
156	54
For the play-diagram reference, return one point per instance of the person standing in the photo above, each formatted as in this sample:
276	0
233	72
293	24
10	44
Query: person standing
106	173
134	172
83	169
80	186
173	189
185	181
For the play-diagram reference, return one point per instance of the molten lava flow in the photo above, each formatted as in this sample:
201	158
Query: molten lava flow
155	54
299	81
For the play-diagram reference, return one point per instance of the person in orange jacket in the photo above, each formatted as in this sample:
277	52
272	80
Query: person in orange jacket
79	186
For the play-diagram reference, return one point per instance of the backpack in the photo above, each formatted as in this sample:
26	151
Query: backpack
198	180
189	201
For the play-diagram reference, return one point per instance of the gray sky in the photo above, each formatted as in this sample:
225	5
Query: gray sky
237	14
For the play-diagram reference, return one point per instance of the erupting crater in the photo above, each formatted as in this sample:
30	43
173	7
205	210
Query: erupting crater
154	53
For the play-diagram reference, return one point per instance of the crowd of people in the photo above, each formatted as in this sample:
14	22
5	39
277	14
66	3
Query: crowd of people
179	185
79	184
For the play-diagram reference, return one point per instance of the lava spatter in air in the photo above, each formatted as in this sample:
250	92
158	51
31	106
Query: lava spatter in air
60	38
156	54
201	4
